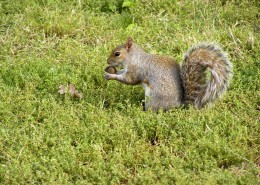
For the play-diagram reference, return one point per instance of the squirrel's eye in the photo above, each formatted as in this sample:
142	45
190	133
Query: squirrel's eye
117	54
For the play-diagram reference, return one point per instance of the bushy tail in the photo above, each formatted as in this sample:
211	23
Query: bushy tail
206	72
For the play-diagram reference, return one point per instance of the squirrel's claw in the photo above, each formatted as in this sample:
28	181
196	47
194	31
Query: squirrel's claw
107	76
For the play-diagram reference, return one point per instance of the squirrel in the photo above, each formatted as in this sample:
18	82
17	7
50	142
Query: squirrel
202	77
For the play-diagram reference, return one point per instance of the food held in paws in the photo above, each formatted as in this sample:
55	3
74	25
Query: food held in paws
111	70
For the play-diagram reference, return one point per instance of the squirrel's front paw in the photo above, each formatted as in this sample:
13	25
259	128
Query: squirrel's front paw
107	76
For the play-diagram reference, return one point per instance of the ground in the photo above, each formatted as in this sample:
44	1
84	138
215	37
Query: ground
105	137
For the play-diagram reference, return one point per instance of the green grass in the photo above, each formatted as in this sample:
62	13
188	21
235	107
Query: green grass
106	138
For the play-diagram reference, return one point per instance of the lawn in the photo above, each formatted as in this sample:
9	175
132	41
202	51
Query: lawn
105	137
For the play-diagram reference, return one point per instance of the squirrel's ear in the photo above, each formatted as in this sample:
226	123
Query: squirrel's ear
129	43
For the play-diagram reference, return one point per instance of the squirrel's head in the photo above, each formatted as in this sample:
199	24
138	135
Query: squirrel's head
120	53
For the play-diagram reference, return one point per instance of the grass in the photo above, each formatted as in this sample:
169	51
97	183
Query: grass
106	138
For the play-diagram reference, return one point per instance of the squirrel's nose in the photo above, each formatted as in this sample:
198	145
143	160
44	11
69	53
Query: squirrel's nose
108	61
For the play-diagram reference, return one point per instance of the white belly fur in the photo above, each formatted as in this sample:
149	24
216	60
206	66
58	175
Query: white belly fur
147	89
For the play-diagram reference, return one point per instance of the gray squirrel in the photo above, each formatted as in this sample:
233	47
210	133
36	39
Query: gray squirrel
168	84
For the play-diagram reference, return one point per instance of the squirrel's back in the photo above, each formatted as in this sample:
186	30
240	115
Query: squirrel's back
205	72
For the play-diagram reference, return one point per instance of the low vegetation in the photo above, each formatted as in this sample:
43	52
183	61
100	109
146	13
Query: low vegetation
104	137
